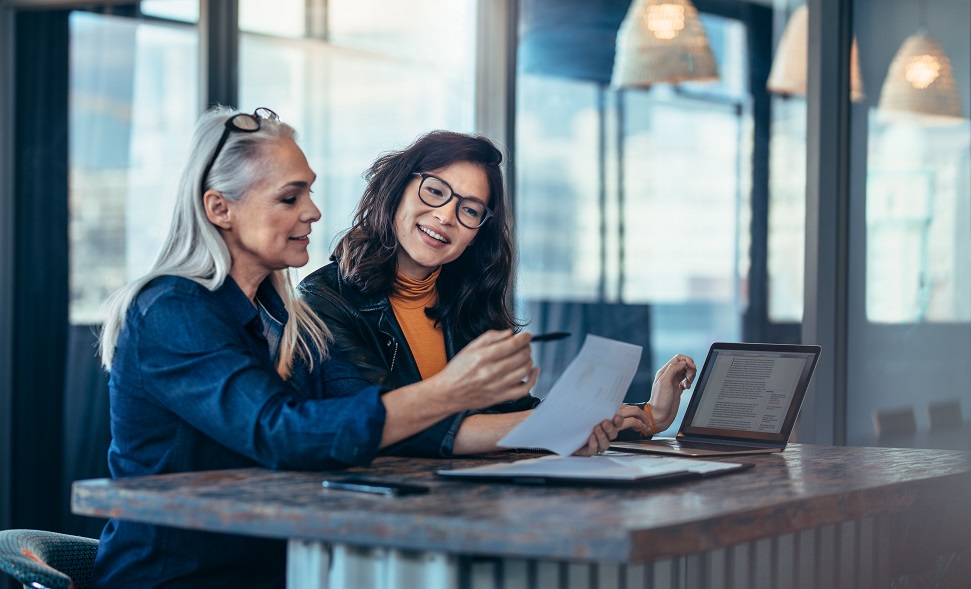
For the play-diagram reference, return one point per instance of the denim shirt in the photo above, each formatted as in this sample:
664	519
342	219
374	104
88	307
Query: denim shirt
193	386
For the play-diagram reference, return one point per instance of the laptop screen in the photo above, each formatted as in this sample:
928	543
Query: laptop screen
750	391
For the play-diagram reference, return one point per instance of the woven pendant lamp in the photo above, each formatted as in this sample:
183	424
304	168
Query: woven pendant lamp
920	80
788	73
662	41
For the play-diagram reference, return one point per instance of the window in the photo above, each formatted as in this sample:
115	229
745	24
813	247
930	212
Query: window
133	103
633	205
918	221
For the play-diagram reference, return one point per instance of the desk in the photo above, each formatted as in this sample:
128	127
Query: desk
813	516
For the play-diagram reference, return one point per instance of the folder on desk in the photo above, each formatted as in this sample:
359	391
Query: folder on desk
603	469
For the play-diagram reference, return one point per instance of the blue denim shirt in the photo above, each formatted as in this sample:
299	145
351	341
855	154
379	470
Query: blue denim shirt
193	386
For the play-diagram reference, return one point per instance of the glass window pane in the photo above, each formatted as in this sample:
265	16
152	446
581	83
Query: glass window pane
437	33
917	221
282	18
181	10
557	151
787	209
787	162
681	227
133	102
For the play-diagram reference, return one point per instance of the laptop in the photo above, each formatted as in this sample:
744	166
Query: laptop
746	401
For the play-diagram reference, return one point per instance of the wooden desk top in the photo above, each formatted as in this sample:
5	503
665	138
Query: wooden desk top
804	487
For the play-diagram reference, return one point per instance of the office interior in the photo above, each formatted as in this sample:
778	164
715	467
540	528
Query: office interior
669	214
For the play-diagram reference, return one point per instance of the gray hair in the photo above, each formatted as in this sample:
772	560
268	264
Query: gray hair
195	249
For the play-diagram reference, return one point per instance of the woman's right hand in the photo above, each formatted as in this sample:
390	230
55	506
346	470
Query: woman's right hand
494	368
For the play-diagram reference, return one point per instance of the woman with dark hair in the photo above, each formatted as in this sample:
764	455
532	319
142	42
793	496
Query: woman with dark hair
427	267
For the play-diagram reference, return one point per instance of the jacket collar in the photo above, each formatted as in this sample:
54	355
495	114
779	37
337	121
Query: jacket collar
241	307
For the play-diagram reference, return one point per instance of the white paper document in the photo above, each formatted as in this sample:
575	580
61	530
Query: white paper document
596	468
590	390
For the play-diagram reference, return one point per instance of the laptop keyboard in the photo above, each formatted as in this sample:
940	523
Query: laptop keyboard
693	445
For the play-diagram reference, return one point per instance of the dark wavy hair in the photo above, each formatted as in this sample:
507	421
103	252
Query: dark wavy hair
473	289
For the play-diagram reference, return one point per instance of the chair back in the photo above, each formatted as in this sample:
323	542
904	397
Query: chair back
36	558
895	423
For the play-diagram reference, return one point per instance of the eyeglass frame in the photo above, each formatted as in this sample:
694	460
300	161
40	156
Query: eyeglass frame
488	212
260	114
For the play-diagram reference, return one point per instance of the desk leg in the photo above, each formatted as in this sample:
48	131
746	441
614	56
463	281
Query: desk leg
919	549
318	565
308	564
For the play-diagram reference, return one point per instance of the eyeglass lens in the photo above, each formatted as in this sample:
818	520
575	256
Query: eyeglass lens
251	123
246	122
436	193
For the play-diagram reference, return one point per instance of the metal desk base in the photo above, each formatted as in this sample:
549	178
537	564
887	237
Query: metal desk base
853	554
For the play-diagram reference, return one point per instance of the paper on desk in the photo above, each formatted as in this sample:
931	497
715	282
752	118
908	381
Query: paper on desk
595	468
590	390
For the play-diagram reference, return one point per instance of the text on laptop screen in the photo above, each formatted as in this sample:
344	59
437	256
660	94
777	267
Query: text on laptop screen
753	392
750	391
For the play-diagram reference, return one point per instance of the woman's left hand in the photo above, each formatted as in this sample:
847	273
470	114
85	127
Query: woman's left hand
671	380
603	433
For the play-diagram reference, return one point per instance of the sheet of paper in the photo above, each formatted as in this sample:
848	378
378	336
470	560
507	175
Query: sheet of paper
594	468
590	390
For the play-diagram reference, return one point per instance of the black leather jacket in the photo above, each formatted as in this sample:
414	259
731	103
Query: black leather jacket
366	331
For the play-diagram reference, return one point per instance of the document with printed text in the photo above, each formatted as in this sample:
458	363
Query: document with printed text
590	390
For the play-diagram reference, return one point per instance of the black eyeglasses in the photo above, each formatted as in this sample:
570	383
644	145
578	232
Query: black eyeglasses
435	192
239	122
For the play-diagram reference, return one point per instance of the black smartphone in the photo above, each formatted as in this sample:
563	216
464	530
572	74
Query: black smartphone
364	485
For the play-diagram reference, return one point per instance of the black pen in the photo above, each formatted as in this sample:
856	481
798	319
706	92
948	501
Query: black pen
550	337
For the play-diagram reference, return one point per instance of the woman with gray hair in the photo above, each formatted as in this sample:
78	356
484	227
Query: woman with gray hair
217	363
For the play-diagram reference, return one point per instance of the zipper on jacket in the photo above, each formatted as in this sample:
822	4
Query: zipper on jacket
394	354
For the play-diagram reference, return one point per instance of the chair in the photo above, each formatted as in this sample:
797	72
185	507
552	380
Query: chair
47	560
945	415
895	423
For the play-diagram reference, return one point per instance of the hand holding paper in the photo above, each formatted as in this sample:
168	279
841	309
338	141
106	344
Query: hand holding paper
590	390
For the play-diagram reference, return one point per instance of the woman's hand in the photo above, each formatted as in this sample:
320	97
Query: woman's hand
635	418
671	380
602	434
494	368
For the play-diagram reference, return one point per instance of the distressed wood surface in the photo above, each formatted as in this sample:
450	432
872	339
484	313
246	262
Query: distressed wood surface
804	487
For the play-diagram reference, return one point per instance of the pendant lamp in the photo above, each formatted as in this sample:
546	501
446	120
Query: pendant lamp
920	80
662	41
788	74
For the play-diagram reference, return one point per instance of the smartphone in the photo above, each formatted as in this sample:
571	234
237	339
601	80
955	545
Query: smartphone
363	485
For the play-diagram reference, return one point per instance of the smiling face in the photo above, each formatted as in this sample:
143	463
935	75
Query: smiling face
268	228
430	237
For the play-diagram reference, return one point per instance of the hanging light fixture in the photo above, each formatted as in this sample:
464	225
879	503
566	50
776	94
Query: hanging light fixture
662	41
788	74
920	80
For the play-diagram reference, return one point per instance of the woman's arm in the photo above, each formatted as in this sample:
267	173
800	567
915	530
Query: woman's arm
496	367
480	433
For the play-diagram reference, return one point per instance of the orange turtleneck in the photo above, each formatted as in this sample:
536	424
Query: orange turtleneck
409	299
